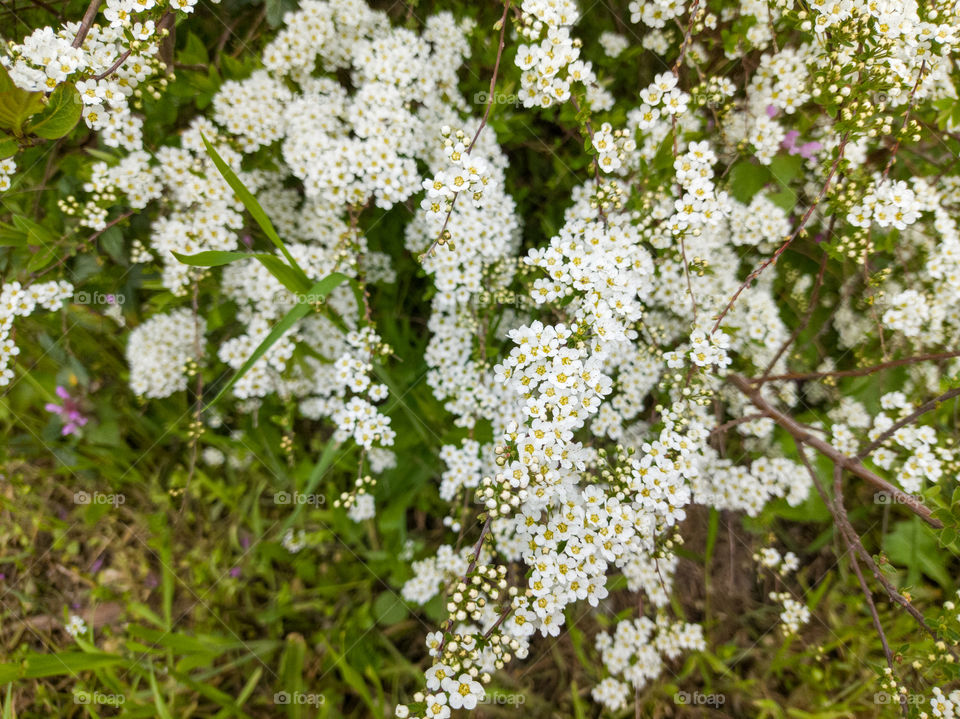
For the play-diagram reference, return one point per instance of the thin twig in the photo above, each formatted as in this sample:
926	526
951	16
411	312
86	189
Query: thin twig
851	464
796	233
909	419
801	376
483	121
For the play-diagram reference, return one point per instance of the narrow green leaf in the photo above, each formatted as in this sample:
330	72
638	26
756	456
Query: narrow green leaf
353	678
314	294
212	258
37	666
292	278
158	701
249	201
292	662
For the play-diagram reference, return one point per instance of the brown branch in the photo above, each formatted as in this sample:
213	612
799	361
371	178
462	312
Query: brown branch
839	513
801	376
87	22
165	22
906	120
734	422
503	615
892	592
851	464
477	548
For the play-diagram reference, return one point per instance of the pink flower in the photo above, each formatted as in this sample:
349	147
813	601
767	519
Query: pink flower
69	412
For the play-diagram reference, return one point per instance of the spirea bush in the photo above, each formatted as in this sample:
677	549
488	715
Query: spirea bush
506	313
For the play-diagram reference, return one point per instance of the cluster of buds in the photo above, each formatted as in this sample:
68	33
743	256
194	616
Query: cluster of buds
469	597
362	485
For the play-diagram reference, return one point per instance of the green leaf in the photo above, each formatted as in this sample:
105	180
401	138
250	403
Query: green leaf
326	459
162	710
36	233
389	609
746	180
37	666
8	148
16	105
353	678
290	277
249	201
213	258
61	114
41	258
195	53
316	293
291	671
785	167
112	243
913	545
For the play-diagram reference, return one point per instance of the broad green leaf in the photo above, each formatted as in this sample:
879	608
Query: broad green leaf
249	201
60	115
746	180
16	105
36	233
913	545
8	147
389	609
195	53
316	293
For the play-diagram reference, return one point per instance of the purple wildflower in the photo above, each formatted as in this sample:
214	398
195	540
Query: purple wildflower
69	412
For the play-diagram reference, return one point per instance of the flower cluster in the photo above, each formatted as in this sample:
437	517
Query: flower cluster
109	64
636	652
550	65
465	173
19	301
161	350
